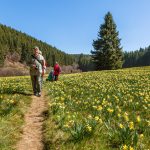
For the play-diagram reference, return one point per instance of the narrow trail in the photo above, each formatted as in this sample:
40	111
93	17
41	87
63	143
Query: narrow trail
32	135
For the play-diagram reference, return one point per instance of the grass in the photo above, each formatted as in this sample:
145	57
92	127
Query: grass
55	138
14	100
106	110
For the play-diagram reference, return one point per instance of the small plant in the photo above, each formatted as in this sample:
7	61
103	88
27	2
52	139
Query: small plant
77	131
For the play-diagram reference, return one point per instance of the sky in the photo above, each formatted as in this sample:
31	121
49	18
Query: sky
72	25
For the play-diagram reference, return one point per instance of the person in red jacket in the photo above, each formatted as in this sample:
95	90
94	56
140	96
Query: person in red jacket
57	71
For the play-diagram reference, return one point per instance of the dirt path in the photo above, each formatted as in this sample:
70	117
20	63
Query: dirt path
32	131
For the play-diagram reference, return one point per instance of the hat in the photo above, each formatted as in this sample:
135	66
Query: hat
40	52
35	47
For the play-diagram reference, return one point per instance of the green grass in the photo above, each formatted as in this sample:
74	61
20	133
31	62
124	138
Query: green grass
86	111
103	110
55	138
15	97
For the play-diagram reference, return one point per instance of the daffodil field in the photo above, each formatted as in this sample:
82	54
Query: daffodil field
101	110
14	98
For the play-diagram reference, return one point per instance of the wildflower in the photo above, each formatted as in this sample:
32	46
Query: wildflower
119	109
99	107
125	147
138	119
126	118
141	136
66	126
96	118
94	107
121	126
49	104
148	122
89	116
100	121
110	110
131	148
126	114
62	98
88	128
119	115
131	125
11	101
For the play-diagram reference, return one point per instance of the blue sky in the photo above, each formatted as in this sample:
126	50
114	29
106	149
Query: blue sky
72	25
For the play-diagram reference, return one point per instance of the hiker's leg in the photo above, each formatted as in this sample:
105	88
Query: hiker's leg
39	83
33	80
56	77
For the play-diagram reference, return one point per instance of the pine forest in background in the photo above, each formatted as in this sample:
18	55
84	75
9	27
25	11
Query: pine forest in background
19	46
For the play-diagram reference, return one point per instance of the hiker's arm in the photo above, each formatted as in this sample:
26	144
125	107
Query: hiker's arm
43	67
44	64
32	63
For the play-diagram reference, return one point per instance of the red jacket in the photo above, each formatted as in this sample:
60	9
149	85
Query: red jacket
57	69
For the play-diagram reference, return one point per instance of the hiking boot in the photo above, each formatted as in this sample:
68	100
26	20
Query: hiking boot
35	93
39	95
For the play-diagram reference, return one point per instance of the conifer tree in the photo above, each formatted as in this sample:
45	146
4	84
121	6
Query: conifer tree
107	53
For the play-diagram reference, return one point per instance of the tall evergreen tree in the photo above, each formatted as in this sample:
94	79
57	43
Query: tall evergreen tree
107	53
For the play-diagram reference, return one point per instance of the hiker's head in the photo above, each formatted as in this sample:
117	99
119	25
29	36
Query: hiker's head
36	50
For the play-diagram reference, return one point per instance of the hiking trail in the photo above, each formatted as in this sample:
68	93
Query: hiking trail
32	135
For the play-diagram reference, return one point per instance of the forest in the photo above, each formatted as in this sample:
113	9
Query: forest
18	47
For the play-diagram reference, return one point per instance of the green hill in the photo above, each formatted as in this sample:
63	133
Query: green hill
18	46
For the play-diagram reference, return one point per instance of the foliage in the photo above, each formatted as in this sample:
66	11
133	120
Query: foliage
84	61
136	58
18	43
107	53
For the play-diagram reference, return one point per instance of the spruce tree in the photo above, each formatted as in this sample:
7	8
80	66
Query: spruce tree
107	53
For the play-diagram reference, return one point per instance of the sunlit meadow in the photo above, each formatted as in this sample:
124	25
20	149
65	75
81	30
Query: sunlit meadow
100	110
14	98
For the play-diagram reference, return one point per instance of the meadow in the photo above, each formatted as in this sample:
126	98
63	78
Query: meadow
103	110
15	96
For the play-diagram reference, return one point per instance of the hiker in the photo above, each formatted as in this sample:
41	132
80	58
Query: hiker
57	71
50	76
37	65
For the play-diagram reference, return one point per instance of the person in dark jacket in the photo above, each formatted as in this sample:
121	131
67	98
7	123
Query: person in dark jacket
50	76
57	71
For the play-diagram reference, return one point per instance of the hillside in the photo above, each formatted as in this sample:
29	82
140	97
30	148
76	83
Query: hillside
17	46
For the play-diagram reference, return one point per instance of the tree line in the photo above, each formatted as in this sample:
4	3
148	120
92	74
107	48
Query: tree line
137	58
15	42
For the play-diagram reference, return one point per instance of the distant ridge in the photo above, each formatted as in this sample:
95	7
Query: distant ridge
19	46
